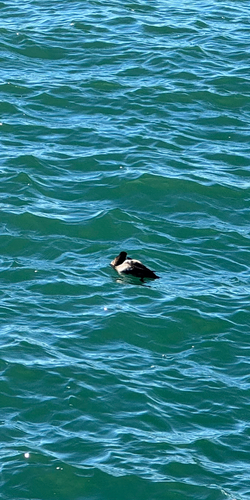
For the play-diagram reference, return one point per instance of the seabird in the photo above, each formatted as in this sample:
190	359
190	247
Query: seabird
124	265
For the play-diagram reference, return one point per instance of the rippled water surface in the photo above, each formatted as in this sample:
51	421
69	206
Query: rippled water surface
124	126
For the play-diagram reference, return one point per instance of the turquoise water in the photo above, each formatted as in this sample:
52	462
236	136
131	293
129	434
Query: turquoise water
124	126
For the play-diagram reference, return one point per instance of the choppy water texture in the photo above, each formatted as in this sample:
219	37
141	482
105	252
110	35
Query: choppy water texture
124	125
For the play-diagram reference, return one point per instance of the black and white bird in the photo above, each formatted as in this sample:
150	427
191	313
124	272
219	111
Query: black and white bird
124	265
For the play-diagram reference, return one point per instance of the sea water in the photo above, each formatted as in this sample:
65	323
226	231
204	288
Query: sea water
124	126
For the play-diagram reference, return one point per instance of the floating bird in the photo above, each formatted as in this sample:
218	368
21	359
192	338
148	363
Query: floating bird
124	265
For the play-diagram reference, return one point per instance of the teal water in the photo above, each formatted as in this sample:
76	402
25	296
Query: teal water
124	125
